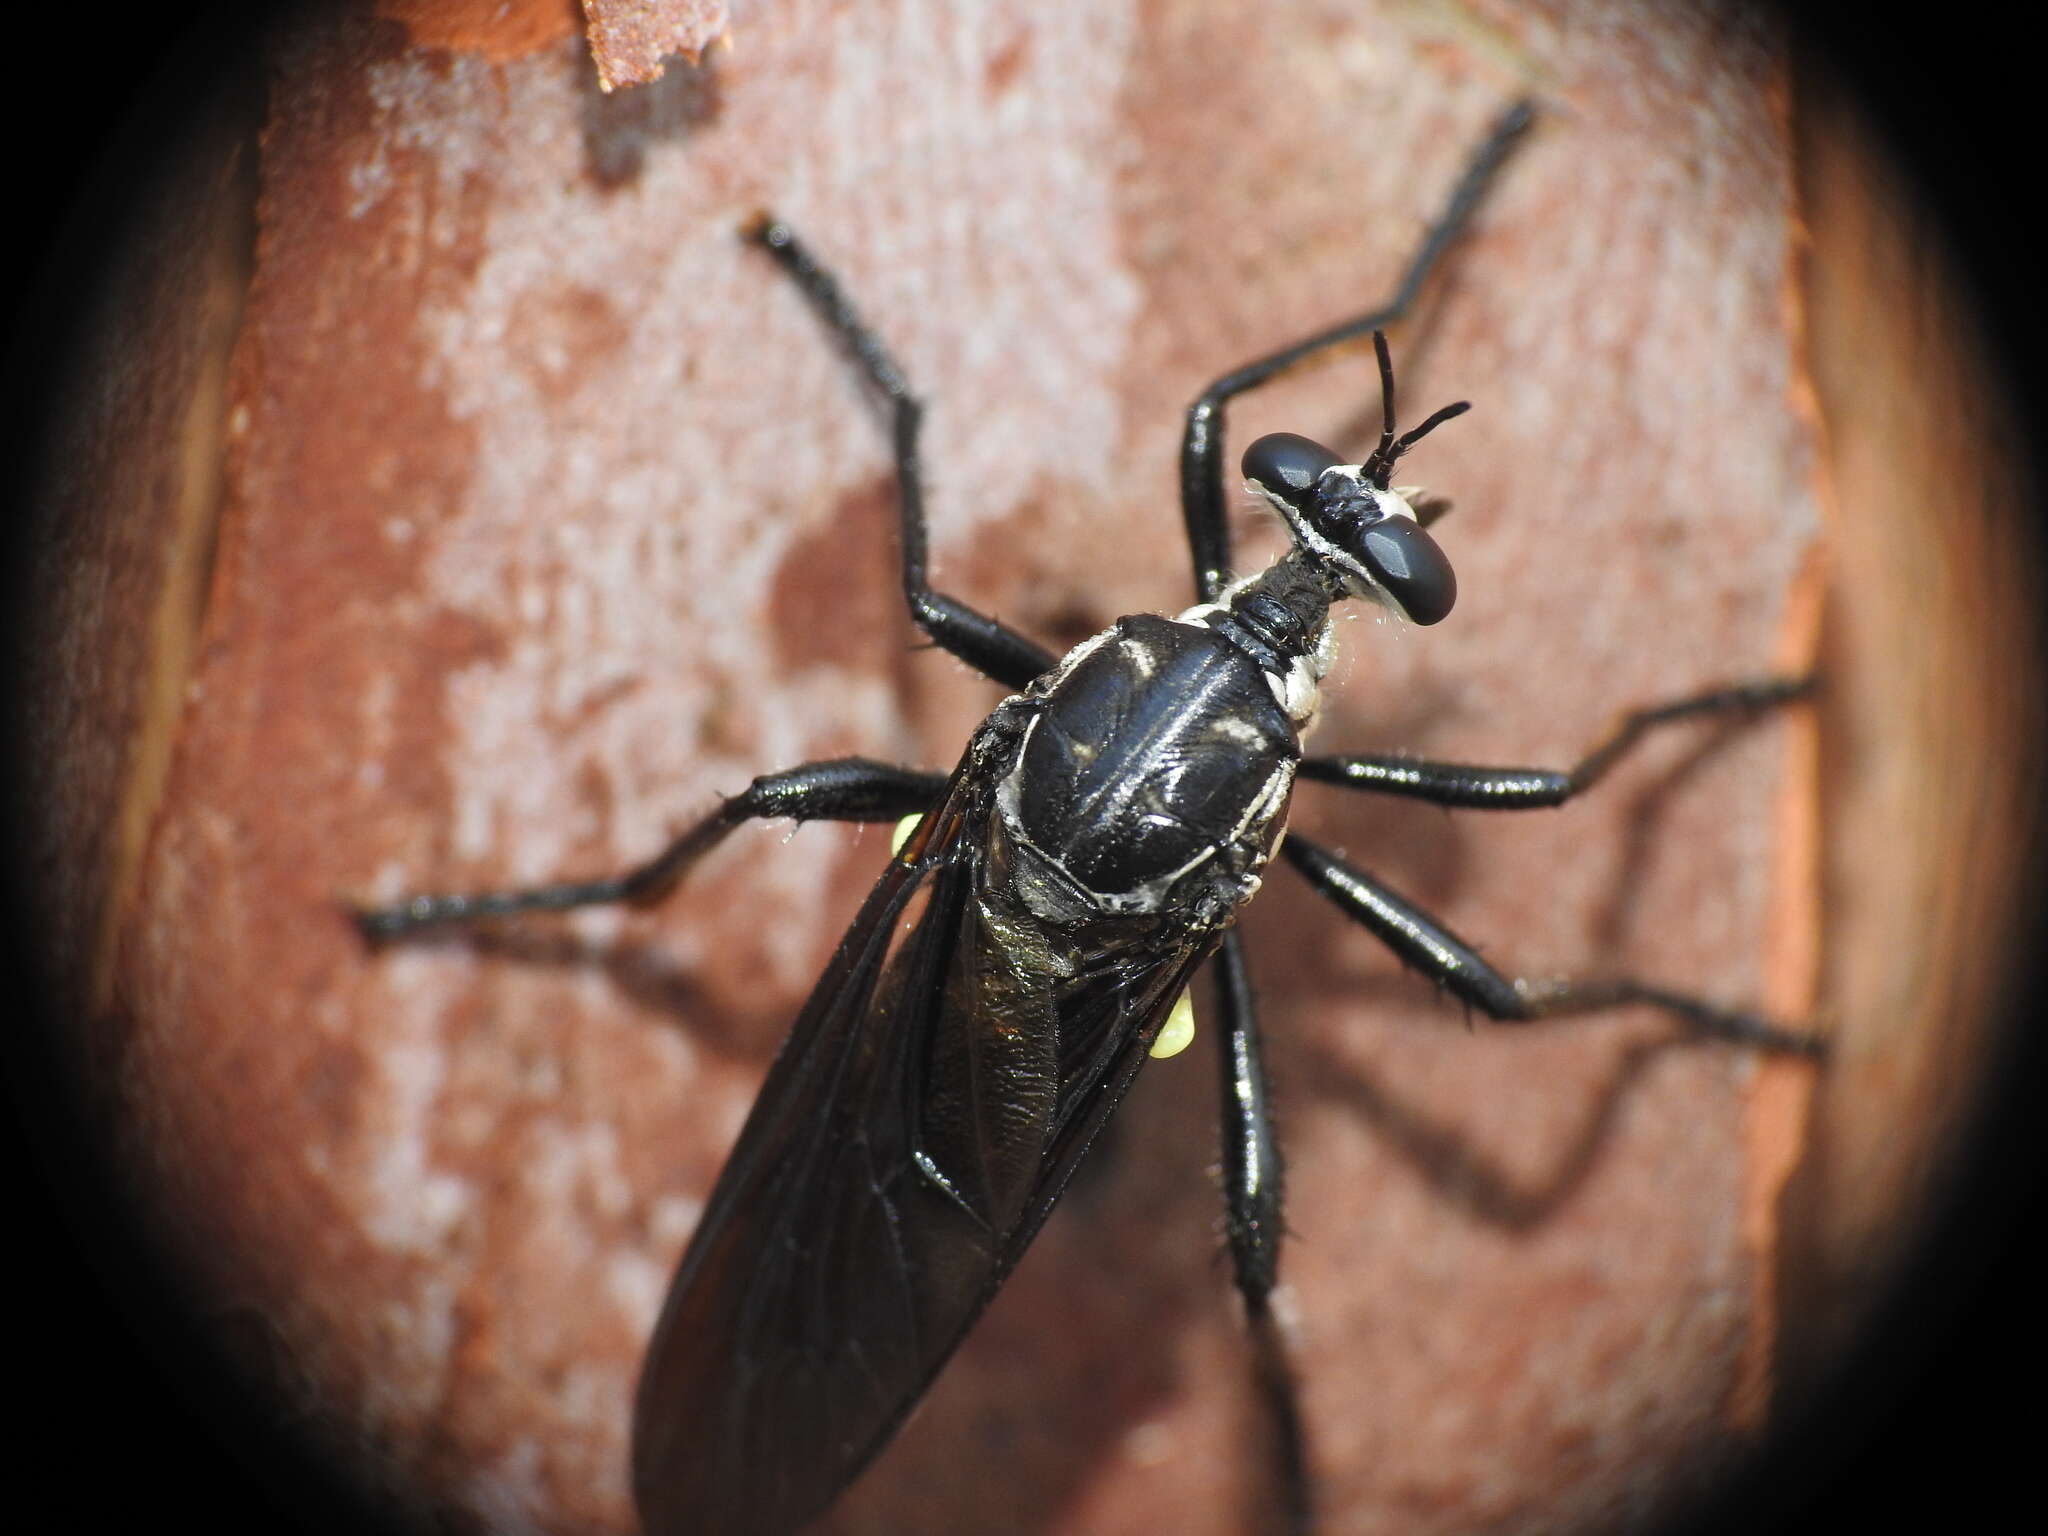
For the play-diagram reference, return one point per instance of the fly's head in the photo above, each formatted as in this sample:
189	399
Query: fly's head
1350	522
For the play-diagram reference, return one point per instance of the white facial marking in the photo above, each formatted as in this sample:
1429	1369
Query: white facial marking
1357	579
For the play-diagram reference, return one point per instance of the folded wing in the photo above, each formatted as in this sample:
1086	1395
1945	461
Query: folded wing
933	1098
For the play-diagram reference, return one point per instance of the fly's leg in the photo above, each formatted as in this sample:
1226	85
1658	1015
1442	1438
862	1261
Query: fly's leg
1428	946
1252	1170
1424	944
841	789
1201	449
1467	786
1253	1174
988	645
1251	1153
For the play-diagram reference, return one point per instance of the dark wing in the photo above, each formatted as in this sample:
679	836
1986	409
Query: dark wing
929	1106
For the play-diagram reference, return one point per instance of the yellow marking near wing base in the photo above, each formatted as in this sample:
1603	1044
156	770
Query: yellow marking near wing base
1178	1030
902	833
1174	1034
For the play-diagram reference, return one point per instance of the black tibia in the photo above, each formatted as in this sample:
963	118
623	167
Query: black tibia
1251	1156
841	789
1510	789
1273	1377
1201	450
1252	1217
988	645
1252	1170
1426	945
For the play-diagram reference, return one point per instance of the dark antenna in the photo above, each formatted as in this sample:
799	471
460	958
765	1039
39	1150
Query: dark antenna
1380	467
1381	464
1409	440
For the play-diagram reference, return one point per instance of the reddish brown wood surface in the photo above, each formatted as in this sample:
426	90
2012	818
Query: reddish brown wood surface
1933	727
549	516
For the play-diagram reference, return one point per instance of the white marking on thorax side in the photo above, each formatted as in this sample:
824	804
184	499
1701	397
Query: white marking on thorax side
1297	690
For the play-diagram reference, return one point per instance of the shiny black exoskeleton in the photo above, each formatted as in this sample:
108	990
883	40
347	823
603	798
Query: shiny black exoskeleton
1151	775
1002	984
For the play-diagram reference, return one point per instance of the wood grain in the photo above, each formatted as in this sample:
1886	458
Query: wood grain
544	515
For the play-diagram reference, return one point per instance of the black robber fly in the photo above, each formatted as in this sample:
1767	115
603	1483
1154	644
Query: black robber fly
1013	966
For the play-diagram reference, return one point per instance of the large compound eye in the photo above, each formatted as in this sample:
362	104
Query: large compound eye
1406	561
1288	466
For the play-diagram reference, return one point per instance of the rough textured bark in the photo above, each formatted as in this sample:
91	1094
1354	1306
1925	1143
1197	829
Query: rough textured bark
546	514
